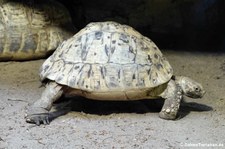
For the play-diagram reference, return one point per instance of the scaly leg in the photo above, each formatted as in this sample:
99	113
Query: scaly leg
172	96
38	112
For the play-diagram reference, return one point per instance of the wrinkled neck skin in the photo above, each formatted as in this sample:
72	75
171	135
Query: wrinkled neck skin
180	81
185	85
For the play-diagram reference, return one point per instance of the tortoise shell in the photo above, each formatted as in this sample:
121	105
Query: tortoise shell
105	57
32	30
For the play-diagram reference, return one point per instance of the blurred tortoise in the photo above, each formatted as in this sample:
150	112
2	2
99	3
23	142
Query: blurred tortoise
110	61
32	30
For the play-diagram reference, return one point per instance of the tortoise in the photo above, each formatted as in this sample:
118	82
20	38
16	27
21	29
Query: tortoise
110	61
32	30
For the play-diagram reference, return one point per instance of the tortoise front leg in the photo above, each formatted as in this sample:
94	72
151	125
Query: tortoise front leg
172	96
38	112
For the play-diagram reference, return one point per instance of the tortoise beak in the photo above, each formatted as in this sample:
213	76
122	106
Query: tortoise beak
196	94
202	93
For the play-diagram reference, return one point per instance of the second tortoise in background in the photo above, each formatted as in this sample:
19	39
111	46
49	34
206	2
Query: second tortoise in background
32	31
110	61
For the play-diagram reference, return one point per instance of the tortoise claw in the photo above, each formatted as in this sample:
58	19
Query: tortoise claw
167	116
37	116
38	119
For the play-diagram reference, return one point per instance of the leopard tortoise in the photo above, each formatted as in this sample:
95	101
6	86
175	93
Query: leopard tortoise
110	61
32	30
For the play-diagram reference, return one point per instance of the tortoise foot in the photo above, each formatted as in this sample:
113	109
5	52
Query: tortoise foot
167	114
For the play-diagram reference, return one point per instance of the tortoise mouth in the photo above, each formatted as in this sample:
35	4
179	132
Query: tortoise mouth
195	95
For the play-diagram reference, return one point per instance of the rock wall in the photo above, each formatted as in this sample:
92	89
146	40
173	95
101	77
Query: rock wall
171	23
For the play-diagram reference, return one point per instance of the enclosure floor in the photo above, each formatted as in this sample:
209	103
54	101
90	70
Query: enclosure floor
94	124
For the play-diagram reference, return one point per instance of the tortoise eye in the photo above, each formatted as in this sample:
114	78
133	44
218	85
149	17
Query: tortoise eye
197	89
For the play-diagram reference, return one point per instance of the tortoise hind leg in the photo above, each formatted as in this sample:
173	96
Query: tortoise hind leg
172	96
38	112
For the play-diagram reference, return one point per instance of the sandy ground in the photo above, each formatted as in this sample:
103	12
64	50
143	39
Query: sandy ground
95	124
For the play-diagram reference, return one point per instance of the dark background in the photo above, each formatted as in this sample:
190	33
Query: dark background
186	24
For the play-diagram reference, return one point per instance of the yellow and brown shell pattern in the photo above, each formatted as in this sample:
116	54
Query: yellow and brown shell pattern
107	56
31	31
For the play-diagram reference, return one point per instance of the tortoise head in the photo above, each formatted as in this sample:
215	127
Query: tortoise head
190	87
